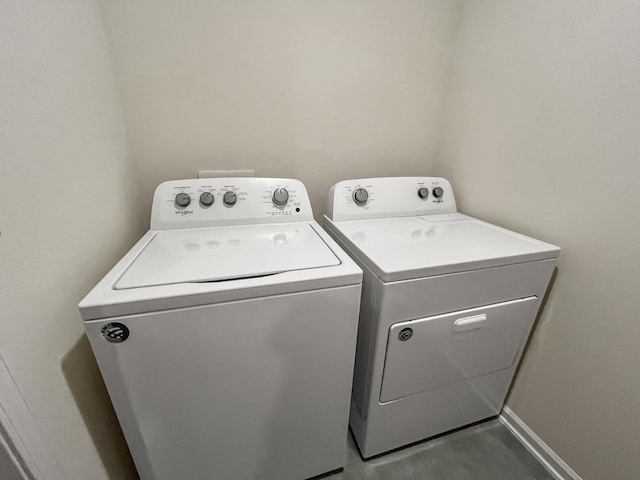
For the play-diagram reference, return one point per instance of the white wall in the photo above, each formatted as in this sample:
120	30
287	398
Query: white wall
541	135
67	212
316	90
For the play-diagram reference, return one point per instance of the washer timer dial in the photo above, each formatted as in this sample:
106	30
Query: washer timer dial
280	197
360	196
438	192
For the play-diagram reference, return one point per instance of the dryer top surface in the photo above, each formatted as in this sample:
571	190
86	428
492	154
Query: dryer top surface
413	247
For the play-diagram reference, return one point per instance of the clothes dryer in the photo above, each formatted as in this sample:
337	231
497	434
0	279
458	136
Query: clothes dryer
448	303
226	336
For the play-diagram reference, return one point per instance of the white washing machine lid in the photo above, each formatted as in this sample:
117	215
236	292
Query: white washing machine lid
413	247
308	260
201	255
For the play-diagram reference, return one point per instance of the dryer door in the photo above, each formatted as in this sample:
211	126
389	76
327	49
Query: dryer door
430	352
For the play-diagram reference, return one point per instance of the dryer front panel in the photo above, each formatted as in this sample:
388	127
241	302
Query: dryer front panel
431	352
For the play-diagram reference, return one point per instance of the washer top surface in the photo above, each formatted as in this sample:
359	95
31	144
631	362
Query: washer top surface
226	253
409	227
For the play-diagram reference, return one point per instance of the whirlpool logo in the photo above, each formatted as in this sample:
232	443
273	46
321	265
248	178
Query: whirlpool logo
115	332
183	212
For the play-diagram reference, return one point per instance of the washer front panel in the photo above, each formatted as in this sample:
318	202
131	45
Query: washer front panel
252	389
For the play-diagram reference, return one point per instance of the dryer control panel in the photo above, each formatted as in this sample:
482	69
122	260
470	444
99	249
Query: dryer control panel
210	202
389	197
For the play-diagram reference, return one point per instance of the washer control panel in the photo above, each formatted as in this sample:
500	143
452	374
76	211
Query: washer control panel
209	202
390	197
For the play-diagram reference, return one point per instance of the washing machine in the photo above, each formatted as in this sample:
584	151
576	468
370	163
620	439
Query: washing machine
226	336
447	306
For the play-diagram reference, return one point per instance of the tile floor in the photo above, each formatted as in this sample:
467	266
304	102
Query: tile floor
487	451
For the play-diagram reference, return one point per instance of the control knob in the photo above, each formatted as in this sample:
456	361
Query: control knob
206	199
437	192
423	193
229	199
182	200
280	197
360	196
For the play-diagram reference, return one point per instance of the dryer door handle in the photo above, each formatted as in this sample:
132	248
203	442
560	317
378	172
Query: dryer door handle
469	323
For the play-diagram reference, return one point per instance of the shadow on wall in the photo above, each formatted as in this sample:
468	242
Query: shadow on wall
534	330
90	394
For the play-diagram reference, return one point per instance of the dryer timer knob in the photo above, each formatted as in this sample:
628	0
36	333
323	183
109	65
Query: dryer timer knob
360	196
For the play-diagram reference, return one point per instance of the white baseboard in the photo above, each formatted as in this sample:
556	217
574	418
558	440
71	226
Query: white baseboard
532	442
16	467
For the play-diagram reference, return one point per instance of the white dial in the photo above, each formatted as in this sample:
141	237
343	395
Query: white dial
280	197
360	196
229	199
206	199
182	200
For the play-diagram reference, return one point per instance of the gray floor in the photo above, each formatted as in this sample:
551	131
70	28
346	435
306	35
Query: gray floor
486	451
